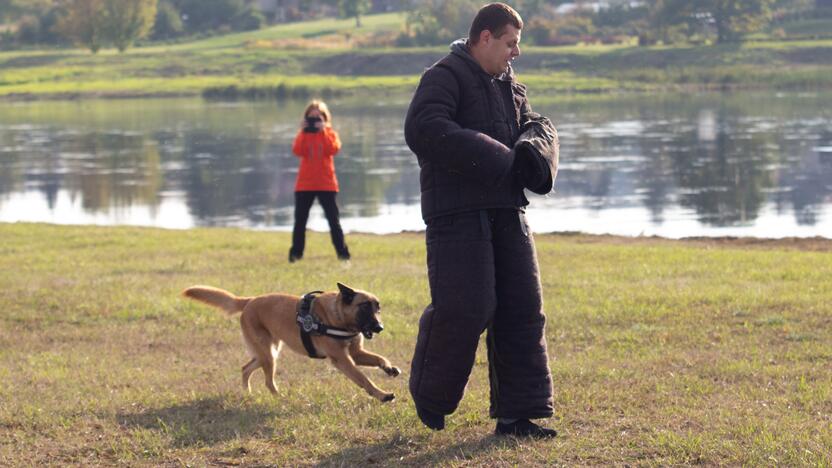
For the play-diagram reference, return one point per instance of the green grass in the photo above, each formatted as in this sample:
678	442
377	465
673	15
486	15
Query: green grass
334	57
663	353
307	29
159	87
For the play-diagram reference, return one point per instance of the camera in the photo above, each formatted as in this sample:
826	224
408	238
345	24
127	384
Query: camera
311	125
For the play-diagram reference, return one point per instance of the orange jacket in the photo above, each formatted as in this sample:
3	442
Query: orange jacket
316	152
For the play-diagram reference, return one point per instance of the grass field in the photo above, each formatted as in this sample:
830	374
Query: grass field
332	56
662	353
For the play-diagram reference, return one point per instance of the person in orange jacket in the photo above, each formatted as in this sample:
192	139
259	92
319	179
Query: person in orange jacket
316	144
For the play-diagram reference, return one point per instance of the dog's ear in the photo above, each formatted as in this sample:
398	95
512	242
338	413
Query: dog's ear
347	293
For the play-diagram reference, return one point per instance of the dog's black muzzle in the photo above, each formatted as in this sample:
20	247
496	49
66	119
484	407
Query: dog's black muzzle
369	330
367	322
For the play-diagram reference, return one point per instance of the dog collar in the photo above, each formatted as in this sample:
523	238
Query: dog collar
311	325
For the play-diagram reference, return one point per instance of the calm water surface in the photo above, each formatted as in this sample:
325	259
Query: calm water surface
751	164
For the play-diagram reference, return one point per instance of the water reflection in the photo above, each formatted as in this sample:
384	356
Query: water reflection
745	164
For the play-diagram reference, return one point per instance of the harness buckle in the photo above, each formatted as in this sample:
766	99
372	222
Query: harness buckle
307	322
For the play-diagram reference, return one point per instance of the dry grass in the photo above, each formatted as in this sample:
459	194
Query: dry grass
663	353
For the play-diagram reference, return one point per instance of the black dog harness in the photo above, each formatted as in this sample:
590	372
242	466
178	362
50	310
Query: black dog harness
311	325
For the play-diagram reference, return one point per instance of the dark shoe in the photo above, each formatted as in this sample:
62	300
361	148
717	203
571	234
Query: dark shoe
345	255
293	257
430	419
524	428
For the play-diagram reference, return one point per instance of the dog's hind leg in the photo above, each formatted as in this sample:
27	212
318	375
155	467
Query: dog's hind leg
248	369
269	364
262	350
268	371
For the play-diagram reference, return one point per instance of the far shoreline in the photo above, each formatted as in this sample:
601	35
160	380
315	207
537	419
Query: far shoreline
809	243
254	95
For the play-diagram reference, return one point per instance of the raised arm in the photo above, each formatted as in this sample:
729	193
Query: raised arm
432	133
332	143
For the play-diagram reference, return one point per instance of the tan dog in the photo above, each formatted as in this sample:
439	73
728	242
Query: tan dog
270	320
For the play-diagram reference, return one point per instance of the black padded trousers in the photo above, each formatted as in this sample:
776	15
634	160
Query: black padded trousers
483	275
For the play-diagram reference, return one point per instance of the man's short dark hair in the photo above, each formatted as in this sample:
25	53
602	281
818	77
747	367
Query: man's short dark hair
494	17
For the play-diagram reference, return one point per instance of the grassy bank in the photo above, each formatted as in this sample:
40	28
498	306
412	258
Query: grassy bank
333	57
663	352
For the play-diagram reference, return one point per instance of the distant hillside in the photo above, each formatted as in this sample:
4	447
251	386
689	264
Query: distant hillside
583	60
332	56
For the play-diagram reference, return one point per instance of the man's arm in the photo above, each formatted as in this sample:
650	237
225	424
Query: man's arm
432	133
537	149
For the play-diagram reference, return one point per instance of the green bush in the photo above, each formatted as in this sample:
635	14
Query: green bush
38	29
438	22
565	30
201	15
168	22
248	20
28	29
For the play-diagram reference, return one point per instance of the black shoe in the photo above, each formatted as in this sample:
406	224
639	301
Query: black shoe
525	428
430	419
344	256
293	257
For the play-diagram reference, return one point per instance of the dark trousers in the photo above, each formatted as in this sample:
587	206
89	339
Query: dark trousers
303	203
483	275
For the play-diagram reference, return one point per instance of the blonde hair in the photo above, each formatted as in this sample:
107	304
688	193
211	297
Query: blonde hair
321	107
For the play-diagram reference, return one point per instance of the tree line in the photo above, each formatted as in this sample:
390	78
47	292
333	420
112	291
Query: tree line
431	22
97	24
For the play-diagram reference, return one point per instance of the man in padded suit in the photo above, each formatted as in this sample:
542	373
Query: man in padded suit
479	145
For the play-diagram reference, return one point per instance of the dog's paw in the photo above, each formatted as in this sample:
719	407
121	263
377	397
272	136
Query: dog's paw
388	397
392	371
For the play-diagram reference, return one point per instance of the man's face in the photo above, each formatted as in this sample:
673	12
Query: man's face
500	51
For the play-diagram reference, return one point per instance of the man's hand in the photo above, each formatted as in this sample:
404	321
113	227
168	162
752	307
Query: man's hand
530	167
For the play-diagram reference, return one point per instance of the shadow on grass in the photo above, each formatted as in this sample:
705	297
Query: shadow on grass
205	421
401	451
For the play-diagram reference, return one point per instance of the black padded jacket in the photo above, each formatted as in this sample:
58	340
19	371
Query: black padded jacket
476	139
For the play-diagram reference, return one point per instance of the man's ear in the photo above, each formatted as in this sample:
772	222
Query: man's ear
485	36
347	293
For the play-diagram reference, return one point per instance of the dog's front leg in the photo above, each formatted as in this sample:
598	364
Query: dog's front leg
344	363
365	358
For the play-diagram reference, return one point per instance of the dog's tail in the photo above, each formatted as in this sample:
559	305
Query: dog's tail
217	298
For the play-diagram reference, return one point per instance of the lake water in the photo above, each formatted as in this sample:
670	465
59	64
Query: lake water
747	164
